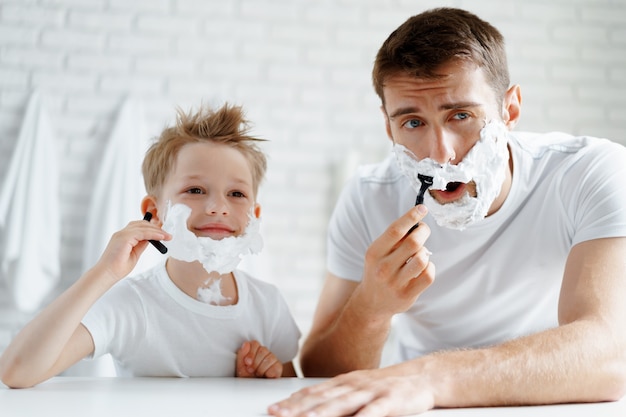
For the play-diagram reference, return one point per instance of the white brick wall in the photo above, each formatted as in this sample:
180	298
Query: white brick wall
302	70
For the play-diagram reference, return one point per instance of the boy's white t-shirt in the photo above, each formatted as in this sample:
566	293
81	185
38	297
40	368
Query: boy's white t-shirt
500	278
152	328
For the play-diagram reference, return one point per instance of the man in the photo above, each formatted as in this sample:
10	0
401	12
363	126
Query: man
511	290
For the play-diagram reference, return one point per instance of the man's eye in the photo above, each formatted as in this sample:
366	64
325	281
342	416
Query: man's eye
462	116
413	123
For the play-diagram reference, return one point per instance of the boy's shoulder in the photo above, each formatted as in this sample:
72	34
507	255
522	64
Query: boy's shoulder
142	282
256	286
241	274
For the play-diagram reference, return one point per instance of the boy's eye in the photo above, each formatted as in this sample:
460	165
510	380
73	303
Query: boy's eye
413	123
237	194
195	190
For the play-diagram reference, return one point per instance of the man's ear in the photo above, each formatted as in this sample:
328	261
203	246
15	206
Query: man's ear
257	210
387	125
149	204
512	106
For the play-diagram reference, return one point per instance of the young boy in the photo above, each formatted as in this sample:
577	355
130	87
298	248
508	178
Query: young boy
160	323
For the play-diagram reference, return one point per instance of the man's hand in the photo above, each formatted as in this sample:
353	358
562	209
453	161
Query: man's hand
255	360
353	319
397	268
361	393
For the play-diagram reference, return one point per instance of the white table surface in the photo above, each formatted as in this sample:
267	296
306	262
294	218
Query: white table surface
208	397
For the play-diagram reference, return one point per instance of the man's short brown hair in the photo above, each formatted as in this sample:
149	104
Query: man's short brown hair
425	42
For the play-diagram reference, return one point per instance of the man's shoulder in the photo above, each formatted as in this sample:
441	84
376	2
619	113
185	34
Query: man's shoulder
376	191
385	171
540	145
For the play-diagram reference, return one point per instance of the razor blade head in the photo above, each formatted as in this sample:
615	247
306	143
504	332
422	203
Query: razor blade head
425	179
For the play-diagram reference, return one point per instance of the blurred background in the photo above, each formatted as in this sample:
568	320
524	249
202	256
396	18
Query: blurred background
301	69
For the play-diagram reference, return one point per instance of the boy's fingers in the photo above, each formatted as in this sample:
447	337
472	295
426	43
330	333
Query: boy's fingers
150	229
250	356
244	349
242	368
264	360
275	370
254	347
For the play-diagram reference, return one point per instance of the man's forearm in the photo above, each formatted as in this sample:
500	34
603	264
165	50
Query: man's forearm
579	362
352	341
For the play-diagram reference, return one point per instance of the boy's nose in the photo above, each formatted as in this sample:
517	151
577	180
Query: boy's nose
217	206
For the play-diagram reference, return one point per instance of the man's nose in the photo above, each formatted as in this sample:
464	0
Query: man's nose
442	146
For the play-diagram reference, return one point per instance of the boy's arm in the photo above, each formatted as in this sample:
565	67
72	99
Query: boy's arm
55	339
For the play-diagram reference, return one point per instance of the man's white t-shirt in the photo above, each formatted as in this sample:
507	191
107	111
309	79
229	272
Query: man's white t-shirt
500	278
152	328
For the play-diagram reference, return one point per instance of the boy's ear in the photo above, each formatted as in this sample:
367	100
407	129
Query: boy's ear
257	210
149	204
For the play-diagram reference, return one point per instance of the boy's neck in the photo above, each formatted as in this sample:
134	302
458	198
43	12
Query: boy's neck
190	276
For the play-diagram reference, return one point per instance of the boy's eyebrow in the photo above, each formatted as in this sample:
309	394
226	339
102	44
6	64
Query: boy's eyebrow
448	106
192	177
198	177
242	181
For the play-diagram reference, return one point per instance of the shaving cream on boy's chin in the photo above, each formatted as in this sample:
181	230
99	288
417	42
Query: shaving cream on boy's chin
485	164
221	256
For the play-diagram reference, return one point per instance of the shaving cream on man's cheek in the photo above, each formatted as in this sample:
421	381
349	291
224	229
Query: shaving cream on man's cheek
215	255
485	164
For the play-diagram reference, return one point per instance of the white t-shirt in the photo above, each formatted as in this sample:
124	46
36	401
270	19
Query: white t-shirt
500	278
152	328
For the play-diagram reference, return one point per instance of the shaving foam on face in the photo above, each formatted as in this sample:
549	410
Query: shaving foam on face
485	164
221	256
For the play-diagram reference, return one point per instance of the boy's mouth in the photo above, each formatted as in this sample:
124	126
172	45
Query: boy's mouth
214	230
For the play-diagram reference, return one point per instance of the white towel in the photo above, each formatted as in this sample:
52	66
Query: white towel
30	212
119	189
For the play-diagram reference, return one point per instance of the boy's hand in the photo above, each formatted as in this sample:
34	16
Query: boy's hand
255	360
126	246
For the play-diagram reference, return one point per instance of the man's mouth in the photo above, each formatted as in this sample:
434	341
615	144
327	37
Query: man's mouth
452	186
453	192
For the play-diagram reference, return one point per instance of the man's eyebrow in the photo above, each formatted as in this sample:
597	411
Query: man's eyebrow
448	106
459	105
402	111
